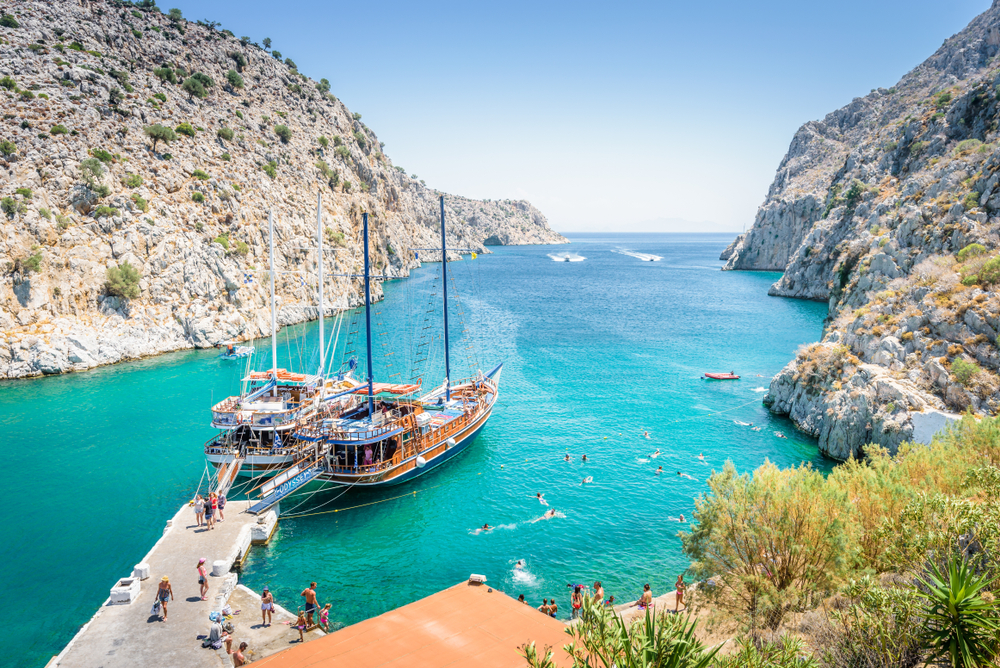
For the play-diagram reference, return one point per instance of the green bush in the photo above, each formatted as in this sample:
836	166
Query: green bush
8	83
199	174
917	147
967	146
45	213
291	63
990	273
158	133
283	133
165	74
115	97
160	96
197	197
185	129
357	116
140	202
136	14
102	155
343	152
271	169
123	281
203	79
27	95
239	59
239	114
226	157
175	15
8	21
222	240
276	54
101	190
225	133
91	170
133	180
942	100
360	138
242	248
24	192
8	205
961	626
8	148
135	33
58	129
234	79
971	201
194	88
338	141
971	251
323	141
32	263
964	370
105	211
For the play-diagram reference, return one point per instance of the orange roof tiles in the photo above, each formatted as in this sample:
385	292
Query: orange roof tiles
464	625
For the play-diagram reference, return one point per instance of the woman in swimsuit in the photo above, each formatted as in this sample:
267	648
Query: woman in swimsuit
163	593
647	598
324	618
266	607
199	509
203	579
553	607
680	592
577	600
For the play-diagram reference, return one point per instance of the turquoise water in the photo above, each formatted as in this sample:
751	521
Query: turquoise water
595	353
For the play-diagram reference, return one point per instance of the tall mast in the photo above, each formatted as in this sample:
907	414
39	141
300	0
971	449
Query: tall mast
444	289
368	323
274	318
319	261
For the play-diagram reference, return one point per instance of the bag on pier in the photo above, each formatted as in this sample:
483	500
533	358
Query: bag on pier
156	608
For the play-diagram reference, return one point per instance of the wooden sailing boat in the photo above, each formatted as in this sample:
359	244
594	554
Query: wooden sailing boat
258	424
393	436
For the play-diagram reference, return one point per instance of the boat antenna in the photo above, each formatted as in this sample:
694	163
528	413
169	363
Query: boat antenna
368	321
319	262
274	319
444	290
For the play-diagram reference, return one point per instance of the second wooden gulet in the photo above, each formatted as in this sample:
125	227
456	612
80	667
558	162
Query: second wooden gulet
396	433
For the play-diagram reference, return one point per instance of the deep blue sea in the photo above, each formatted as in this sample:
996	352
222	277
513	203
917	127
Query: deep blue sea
595	353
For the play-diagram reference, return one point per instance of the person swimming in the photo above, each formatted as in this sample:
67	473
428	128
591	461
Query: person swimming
589	478
685	475
655	454
486	527
584	458
549	514
701	457
541	499
566	458
645	434
659	470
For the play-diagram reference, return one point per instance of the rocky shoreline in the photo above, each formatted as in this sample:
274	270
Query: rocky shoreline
889	210
85	189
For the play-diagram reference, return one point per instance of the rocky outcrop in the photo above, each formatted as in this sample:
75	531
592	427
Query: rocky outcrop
85	190
889	210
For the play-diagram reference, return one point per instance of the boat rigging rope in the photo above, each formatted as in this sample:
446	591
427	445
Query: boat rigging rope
363	505
313	493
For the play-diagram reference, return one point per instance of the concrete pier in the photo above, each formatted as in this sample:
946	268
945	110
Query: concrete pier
126	634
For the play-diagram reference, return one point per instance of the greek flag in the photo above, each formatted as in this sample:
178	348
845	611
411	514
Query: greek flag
247	278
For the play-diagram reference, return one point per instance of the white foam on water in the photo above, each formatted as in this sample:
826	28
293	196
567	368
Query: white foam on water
645	257
566	257
760	389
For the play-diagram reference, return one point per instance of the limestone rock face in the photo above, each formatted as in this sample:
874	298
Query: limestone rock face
868	212
189	214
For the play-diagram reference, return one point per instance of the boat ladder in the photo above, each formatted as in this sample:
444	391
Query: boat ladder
284	484
227	476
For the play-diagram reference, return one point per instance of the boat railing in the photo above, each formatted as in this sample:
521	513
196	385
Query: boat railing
391	421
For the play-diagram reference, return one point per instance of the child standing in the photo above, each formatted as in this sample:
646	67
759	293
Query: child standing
300	624
324	618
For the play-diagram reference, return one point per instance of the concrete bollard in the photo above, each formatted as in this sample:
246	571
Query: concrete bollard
125	591
220	567
141	571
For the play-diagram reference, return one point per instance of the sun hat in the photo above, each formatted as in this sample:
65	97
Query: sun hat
202	560
265	587
164	578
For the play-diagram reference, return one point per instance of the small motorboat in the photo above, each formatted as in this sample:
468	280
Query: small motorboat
722	376
231	351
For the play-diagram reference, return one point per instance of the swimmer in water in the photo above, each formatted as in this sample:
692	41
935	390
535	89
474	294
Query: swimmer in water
685	475
659	470
520	562
589	478
486	527
549	513
656	454
541	499
676	519
584	458
566	458
701	456
645	434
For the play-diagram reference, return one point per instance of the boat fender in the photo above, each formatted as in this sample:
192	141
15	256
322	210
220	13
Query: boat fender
421	462
450	442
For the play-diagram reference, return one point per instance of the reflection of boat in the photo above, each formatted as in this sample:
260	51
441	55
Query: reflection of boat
722	376
645	257
235	352
566	257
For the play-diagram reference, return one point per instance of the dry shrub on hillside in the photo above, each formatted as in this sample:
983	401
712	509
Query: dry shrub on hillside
932	270
820	362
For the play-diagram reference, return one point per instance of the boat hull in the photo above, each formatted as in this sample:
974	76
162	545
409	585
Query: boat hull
253	465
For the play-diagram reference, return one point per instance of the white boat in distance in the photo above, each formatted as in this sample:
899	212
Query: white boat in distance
566	257
645	257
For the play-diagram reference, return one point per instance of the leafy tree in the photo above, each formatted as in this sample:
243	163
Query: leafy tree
357	116
266	42
123	281
194	88
961	626
239	59
283	132
115	97
197	197
291	63
234	79
32	263
175	15
159	132
91	170
244	40
276	54
225	133
166	74
323	86
186	129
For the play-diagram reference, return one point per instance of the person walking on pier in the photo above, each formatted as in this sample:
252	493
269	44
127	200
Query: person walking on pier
199	509
164	592
222	506
203	579
266	607
311	605
209	513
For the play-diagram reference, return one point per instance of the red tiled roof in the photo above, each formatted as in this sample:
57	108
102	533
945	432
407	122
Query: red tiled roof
464	625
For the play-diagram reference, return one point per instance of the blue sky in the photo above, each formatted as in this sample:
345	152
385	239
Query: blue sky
607	116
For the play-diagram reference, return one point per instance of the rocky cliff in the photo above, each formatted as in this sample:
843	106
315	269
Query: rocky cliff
86	188
889	210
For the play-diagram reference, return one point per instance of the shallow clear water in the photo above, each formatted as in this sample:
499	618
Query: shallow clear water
595	353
